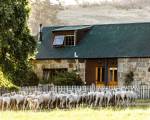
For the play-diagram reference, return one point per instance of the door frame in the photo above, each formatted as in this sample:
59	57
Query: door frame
109	65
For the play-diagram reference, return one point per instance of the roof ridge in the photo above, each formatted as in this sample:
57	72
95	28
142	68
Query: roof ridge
123	23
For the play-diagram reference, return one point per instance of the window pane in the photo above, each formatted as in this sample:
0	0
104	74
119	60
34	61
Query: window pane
69	40
98	74
49	74
111	75
103	74
58	40
115	75
45	74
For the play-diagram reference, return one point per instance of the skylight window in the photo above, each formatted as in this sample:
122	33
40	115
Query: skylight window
58	40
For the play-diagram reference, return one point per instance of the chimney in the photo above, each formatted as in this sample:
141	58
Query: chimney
40	32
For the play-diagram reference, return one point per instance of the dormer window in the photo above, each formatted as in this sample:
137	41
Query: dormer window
69	35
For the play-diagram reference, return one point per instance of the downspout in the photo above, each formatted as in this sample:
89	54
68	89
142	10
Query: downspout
85	63
40	31
106	72
75	37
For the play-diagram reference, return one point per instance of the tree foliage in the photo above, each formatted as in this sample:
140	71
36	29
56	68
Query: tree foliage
5	83
16	43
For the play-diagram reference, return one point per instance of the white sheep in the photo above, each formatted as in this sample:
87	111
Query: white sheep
99	98
6	100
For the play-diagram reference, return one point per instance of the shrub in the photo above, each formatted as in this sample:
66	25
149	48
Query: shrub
31	79
6	84
67	78
45	81
129	78
25	77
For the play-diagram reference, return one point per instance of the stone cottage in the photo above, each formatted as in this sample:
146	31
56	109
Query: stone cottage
103	54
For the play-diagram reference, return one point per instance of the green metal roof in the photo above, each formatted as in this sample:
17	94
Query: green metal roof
102	41
70	28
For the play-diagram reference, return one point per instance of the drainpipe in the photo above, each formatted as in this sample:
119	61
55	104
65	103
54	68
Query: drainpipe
40	31
85	62
106	73
75	37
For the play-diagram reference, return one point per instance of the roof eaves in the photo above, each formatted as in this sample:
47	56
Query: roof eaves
72	28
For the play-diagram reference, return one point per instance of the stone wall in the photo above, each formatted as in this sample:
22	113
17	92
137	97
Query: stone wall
39	65
139	66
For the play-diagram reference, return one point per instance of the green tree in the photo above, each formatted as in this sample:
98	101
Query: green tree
5	83
16	43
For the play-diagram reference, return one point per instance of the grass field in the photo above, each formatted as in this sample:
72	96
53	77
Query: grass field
138	113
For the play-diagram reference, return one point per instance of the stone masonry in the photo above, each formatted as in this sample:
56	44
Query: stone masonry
140	68
39	65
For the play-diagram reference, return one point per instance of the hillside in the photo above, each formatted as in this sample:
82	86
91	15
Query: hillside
60	12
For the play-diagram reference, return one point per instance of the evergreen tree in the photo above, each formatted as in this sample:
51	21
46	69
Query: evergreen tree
16	43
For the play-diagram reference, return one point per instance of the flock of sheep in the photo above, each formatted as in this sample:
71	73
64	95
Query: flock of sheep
50	100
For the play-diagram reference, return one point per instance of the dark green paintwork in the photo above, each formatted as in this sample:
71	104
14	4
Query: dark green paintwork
72	28
102	41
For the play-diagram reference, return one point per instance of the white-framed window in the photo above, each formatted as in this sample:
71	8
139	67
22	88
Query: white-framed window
69	40
113	74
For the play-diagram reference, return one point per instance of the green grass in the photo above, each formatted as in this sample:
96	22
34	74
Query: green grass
143	101
133	113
